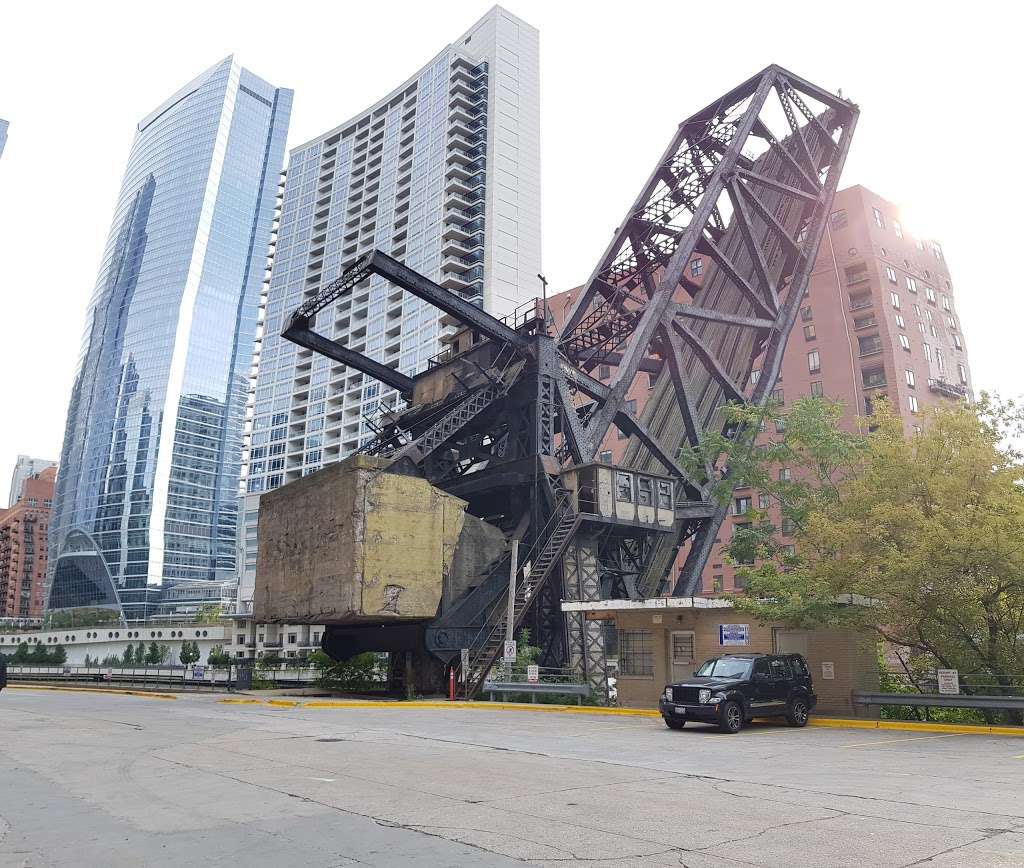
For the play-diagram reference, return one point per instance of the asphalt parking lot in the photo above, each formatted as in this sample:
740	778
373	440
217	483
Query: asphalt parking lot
107	780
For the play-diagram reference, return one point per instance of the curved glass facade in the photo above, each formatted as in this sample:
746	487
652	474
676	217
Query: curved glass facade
152	447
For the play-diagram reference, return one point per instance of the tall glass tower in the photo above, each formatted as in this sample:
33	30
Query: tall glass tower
443	173
146	494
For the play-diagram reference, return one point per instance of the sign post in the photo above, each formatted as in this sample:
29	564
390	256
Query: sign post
510	615
949	681
465	664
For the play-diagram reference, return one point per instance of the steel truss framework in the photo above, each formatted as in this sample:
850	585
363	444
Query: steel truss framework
745	186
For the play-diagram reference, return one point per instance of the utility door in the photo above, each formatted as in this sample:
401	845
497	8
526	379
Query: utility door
680	650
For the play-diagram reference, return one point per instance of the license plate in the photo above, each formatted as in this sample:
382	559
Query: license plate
681	709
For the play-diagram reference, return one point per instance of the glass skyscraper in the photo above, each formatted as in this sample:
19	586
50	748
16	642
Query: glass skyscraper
442	173
147	489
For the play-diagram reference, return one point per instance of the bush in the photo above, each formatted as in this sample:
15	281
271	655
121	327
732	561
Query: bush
362	672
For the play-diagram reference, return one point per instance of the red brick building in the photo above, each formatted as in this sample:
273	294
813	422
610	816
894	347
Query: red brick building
23	545
879	319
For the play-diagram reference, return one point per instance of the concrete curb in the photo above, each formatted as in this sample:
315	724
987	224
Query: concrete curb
828	722
146	694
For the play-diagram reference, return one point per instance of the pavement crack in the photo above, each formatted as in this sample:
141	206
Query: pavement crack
987	835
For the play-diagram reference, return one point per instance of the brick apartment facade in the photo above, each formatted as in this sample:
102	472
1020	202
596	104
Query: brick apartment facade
879	319
23	545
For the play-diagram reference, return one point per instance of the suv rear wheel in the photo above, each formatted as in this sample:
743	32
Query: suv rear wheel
798	712
730	718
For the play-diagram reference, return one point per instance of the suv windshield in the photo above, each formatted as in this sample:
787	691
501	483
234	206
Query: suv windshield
725	667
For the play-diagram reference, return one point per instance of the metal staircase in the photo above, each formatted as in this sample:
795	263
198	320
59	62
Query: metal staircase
489	642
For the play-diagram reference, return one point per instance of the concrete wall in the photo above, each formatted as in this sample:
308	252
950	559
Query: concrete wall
852	656
98	642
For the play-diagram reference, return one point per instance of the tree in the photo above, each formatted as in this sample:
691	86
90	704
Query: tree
926	533
129	656
208	613
153	656
58	655
218	656
21	654
90	662
39	655
140	653
189	653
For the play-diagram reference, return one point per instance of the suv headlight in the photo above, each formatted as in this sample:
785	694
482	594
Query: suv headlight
668	694
704	696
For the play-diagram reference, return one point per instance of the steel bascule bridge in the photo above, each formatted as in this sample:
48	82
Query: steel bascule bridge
511	417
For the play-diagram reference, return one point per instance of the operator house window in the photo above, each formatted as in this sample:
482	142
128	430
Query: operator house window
624	487
636	653
813	362
603	372
605	457
696	267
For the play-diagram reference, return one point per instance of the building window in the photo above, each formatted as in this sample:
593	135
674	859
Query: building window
813	362
930	294
696	267
763	502
754	377
895	299
962	370
940	361
805	313
784	475
624	487
912	401
788	526
816	389
911	284
890	273
603	372
636	653
879	218
839	219
869	345
927	352
809	333
741	506
716	584
910	378
900	322
957	343
897	228
605	457
778	397
905	342
291	638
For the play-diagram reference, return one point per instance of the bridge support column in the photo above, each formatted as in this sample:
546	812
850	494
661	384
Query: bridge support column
581	580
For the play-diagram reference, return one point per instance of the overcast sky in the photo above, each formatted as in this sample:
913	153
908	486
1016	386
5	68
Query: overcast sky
938	90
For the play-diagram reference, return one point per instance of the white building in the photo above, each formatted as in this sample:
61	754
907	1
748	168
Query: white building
23	469
442	173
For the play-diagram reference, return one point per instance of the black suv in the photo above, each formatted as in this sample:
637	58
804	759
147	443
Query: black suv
736	688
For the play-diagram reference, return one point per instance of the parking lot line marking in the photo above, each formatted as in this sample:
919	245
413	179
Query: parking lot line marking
912	738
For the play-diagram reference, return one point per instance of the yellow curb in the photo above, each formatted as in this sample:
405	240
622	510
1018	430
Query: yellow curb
914	726
833	722
143	693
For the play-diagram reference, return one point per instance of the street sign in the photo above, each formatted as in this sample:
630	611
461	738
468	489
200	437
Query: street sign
533	674
949	681
465	663
828	671
197	673
734	634
510	651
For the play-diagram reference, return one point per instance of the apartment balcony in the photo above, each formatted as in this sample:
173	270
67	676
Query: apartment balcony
458	247
463	187
946	389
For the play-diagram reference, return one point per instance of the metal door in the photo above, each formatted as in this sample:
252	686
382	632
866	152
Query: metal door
680	655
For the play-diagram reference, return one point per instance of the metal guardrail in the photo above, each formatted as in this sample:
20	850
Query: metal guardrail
536	689
168	677
940	700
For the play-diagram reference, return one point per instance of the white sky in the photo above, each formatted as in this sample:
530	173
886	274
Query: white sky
938	87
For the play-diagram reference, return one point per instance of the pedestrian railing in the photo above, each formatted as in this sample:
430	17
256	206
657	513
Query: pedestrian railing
940	700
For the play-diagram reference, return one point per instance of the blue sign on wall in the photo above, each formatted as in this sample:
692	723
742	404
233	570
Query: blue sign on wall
733	634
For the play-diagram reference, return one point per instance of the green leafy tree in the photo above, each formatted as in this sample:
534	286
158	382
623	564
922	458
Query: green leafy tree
39	655
189	653
208	613
924	535
58	655
89	661
153	656
140	654
218	656
21	654
128	659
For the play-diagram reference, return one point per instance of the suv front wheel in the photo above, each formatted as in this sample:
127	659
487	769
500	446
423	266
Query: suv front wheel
730	717
798	712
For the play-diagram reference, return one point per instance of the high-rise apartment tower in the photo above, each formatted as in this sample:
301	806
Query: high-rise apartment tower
442	173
